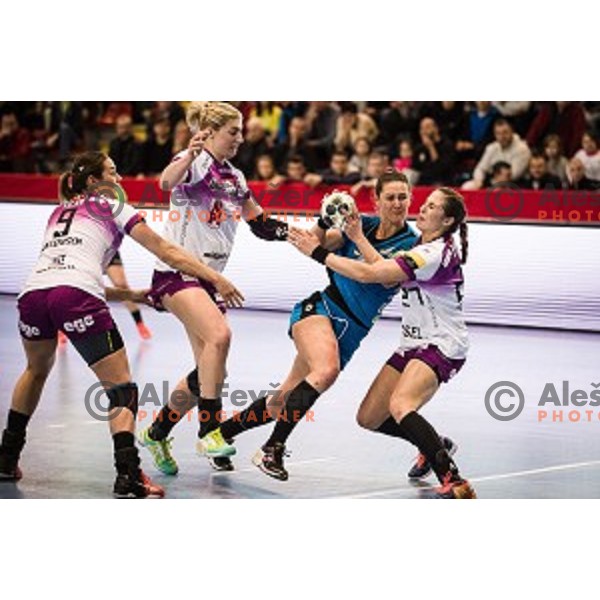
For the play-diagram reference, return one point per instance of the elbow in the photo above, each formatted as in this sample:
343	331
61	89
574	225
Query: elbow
164	183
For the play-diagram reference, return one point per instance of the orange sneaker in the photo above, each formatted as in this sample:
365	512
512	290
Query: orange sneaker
459	489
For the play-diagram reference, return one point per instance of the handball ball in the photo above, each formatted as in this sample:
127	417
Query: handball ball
336	206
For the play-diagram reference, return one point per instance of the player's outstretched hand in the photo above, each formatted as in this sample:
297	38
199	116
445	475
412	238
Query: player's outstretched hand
231	295
305	241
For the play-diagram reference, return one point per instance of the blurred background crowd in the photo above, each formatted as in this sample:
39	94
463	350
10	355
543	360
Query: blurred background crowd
535	145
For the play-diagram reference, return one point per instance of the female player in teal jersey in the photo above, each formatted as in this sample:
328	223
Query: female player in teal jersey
327	328
434	340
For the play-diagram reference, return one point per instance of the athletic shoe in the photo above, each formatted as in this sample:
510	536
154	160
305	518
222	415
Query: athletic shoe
220	463
10	451
459	489
213	444
269	459
143	330
131	482
136	485
421	469
160	451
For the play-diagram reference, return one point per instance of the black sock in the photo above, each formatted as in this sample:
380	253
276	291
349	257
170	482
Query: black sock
393	429
253	416
299	401
137	316
17	422
430	444
122	440
208	414
166	419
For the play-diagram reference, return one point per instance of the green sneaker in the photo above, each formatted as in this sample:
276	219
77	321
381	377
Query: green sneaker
214	444
160	451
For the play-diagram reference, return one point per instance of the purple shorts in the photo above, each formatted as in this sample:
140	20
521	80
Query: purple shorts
445	368
168	283
75	312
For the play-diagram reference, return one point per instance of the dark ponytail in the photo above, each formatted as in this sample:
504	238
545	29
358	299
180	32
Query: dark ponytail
75	182
454	206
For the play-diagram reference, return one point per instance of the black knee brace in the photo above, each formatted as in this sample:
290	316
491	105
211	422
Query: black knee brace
192	382
124	395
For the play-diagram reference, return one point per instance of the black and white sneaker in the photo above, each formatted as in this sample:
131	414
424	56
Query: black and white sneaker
269	459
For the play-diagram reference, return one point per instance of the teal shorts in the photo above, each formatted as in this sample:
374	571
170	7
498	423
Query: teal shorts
349	333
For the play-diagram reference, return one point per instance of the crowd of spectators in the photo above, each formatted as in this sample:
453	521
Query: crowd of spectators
470	144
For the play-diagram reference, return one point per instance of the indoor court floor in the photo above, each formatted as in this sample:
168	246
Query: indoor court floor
69	453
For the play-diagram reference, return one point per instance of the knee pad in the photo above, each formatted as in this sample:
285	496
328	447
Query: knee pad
94	348
192	383
124	395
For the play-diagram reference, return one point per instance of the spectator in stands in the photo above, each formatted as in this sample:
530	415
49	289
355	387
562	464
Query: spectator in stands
518	113
397	122
156	150
269	115
295	144
433	157
556	163
14	145
576	179
352	125
404	162
508	147
501	175
254	145
478	129
295	170
589	155
321	119
566	119
124	149
537	176
265	171
360	157
173	111
376	166
66	128
181	138
449	116
339	172
289	110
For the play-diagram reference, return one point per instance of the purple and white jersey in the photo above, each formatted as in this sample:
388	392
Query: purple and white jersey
205	210
81	238
432	298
